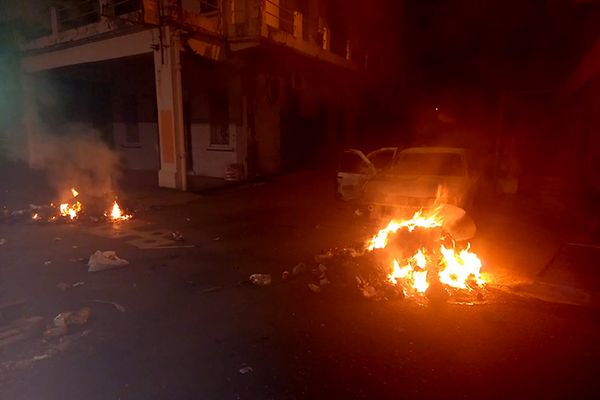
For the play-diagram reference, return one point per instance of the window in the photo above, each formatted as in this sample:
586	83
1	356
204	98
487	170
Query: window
219	117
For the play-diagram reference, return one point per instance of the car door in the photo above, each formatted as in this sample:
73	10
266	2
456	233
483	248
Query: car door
353	172
382	159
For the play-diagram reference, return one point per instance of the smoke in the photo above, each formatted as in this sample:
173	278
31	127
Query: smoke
77	157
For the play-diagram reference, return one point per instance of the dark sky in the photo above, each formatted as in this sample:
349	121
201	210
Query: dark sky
496	44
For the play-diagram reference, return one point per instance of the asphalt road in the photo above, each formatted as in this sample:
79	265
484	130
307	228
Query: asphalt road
189	326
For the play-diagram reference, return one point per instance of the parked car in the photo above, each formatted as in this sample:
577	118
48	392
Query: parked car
391	182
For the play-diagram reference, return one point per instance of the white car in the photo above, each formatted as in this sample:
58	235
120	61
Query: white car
391	182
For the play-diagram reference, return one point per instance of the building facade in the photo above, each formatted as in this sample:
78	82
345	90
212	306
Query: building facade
198	88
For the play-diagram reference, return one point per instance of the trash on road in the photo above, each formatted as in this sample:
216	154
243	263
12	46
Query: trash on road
299	269
73	318
177	237
104	260
260	279
314	288
246	370
112	303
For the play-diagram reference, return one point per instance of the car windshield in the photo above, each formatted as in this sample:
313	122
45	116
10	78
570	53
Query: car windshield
443	164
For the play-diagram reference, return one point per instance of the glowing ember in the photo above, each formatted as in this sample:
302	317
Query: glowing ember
455	268
116	214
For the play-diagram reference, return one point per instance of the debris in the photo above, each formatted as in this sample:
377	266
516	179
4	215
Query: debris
112	303
103	260
260	279
177	237
358	212
368	292
76	284
2	241
70	318
55	331
285	275
299	269
245	370
324	281
323	257
57	239
216	239
75	246
314	288
47	262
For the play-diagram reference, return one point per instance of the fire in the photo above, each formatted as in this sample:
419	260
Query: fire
418	220
71	210
116	214
452	267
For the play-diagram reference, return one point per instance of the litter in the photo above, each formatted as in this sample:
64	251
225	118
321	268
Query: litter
260	279
47	262
70	318
314	288
245	370
112	303
299	269
177	237
76	284
104	260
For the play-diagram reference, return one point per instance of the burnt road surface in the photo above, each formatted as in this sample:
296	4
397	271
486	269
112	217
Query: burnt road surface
190	326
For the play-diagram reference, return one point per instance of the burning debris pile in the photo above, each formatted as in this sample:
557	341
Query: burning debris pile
69	209
414	258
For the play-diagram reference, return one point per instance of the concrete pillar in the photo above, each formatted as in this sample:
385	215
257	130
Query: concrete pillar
167	73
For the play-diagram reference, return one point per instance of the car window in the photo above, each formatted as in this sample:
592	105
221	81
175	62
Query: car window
382	160
352	163
443	164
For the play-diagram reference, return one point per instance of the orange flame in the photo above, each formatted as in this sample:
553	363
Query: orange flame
71	210
453	268
116	214
418	220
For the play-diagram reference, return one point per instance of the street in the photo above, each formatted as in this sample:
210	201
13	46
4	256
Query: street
191	325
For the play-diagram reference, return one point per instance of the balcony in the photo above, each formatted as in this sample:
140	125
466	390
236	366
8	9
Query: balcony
270	21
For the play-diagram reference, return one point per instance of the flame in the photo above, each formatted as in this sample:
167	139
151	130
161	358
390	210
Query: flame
418	220
455	268
458	268
116	214
70	210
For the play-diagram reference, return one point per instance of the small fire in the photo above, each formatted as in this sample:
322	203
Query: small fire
432	220
116	214
71	210
455	268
